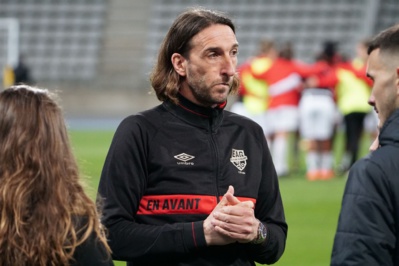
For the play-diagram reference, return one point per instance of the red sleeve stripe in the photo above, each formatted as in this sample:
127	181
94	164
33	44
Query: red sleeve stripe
179	204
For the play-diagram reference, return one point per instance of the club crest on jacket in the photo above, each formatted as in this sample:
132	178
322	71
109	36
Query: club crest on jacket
238	159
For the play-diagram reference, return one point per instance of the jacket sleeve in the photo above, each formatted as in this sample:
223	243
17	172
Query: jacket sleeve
365	233
122	185
91	253
269	210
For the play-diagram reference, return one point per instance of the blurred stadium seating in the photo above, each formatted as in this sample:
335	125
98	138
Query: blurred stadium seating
306	23
102	44
61	39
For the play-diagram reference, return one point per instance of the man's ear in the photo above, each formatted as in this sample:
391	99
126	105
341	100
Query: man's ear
179	64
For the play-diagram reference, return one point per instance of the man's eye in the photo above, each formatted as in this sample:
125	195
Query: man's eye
234	52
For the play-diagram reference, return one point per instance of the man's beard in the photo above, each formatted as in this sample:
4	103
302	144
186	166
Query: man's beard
202	93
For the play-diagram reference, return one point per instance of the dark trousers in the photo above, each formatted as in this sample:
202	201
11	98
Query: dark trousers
353	132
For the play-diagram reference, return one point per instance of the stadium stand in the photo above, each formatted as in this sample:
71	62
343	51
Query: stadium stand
62	39
387	15
86	45
306	23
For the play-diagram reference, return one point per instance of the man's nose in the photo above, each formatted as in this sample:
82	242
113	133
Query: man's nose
229	66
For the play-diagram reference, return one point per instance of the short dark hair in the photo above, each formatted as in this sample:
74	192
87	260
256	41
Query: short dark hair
164	79
387	41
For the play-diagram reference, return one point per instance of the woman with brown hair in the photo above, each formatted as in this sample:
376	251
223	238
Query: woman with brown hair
45	216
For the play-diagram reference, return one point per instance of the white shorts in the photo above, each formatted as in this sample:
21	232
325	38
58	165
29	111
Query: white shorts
239	108
318	114
282	119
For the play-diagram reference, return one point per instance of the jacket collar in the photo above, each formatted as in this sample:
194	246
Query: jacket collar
199	116
389	132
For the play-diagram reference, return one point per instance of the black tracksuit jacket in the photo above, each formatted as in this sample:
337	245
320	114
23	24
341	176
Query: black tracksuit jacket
368	226
166	170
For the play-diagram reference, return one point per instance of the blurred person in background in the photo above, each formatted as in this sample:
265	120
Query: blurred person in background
353	89
253	95
318	116
46	217
188	183
368	226
286	51
283	85
22	73
8	76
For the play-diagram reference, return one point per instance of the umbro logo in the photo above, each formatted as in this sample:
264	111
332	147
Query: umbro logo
184	158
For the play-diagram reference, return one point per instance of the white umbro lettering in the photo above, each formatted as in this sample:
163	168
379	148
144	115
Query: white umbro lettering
184	158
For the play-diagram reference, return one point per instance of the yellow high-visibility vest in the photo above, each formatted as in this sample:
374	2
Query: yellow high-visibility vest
256	97
352	93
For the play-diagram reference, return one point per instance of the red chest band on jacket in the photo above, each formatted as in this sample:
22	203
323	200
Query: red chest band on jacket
179	204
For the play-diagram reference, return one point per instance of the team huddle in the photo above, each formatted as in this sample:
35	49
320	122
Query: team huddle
309	101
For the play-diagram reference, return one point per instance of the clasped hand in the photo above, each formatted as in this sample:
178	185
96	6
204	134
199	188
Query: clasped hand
231	221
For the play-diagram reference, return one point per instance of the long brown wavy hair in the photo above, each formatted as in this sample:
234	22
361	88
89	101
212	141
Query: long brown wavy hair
164	79
44	211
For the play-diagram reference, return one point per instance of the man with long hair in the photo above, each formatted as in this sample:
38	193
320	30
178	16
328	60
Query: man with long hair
167	171
45	216
368	226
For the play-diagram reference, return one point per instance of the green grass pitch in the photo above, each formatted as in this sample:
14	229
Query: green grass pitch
311	208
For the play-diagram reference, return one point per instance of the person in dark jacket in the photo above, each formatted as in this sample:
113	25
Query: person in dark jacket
188	183
368	226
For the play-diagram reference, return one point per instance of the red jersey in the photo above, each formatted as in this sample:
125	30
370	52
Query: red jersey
283	82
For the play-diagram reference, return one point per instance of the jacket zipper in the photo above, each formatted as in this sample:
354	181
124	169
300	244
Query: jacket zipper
215	149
